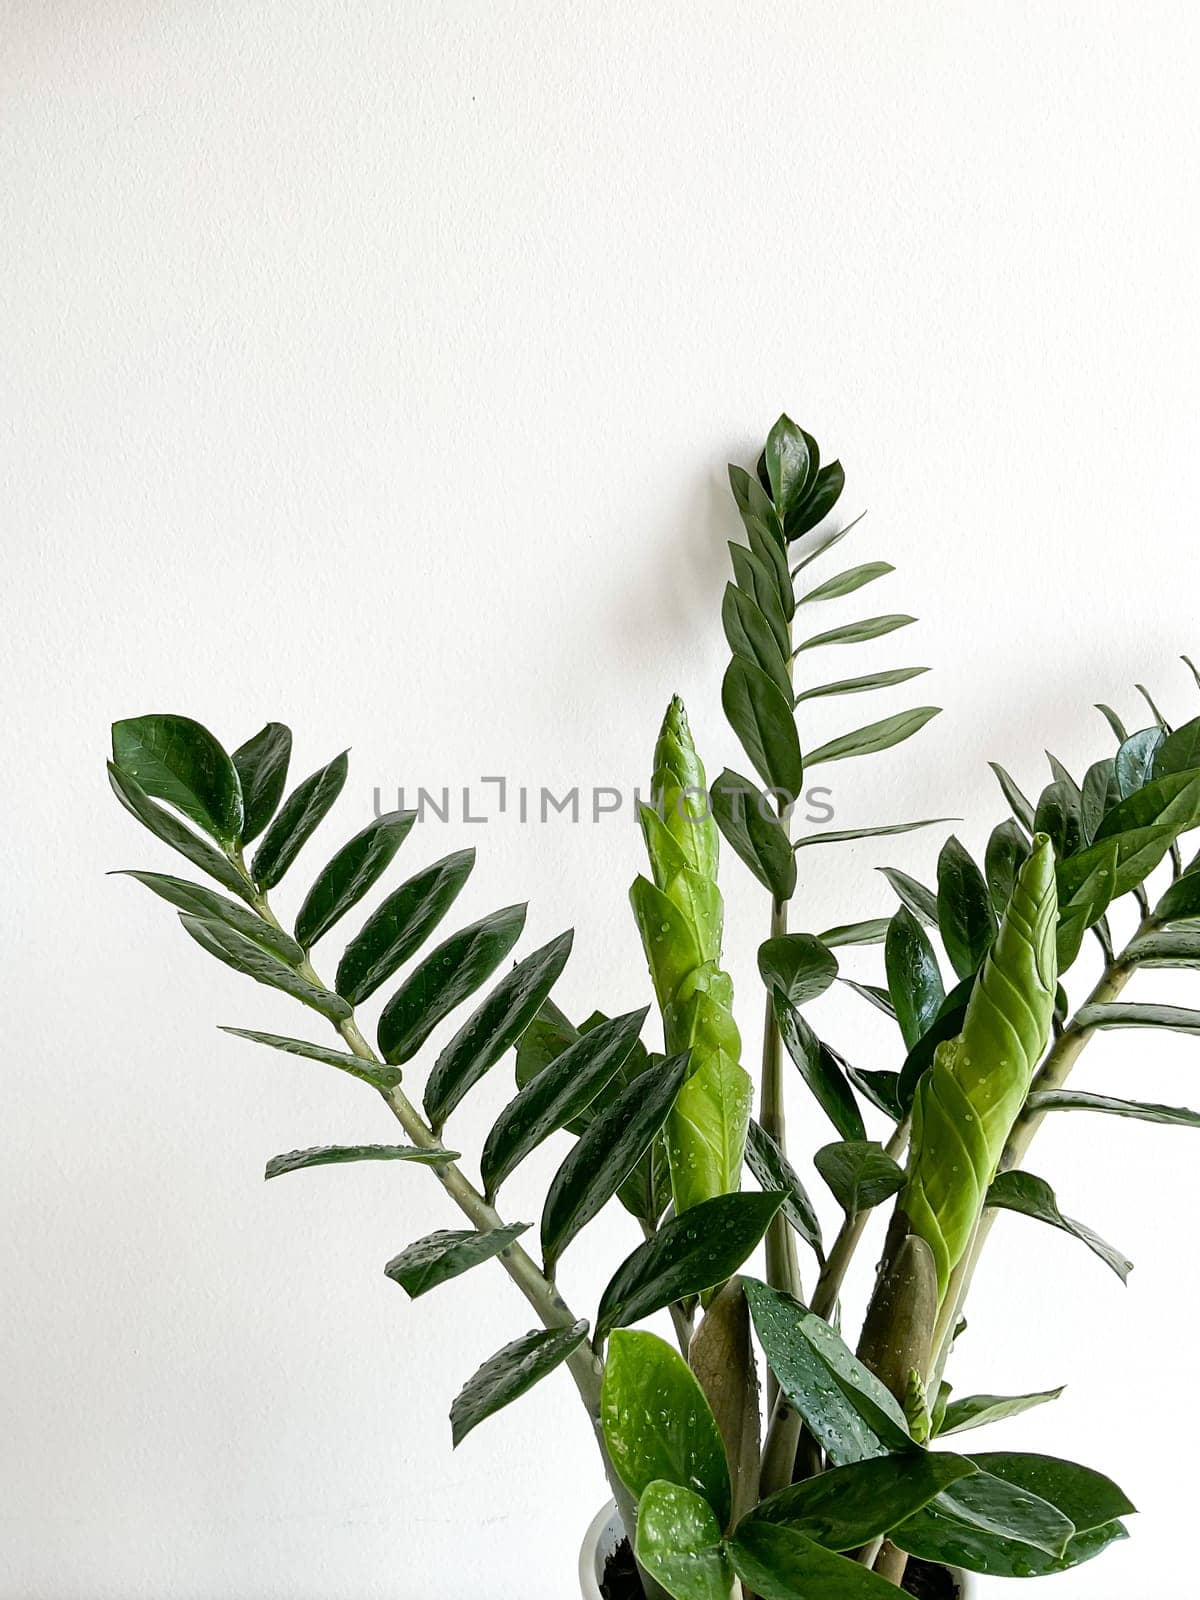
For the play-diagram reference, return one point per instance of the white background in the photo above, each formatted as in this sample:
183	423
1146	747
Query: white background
374	367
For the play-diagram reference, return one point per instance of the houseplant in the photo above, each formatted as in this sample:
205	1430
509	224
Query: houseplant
848	1471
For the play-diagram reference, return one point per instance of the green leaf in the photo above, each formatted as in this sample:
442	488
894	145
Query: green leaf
965	916
860	1174
775	1173
444	1255
1178	948
451	972
914	979
212	907
778	1563
1181	901
1180	1019
303	811
564	1087
357	866
819	1068
1141	1111
175	759
750	636
400	925
876	736
382	1078
977	1410
334	1155
882	1089
818	503
920	901
1018	804
171	831
761	585
850	1506
607	1152
1135	760
494	1028
246	957
1171	802
850	580
798	965
1007	852
510	1373
872	931
790	466
856	632
968	1525
1114	722
762	719
946	1025
679	1543
842	835
744	817
688	1255
262	768
1060	815
657	1423
1099	793
869	680
1033	1197
847	1410
871	992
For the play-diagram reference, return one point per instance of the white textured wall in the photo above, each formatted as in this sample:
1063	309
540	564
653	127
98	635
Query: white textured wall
374	366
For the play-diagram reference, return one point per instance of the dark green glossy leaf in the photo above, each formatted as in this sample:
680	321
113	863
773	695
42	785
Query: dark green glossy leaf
849	1506
212	907
744	816
1181	1019
1178	947
1033	1197
857	632
818	503
946	1025
751	637
1007	852
985	1519
847	1409
850	580
922	902
1018	804
336	1155
775	1173
819	1068
767	545
860	1174
246	957
177	760
876	736
842	835
512	1372
446	977
163	825
762	719
759	582
544	1040
754	503
790	467
262	768
302	812
679	1543
1098	795
862	685
777	1563
872	931
657	1424
965	916
914	980
798	965
383	1078
607	1151
1135	761
882	1089
874	995
1171	802
444	1255
553	1097
1181	901
494	1028
688	1255
1060	815
1087	1497
977	1410
1140	1111
357	866
400	925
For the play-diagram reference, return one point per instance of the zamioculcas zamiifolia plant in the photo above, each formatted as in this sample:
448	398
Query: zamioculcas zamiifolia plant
854	1472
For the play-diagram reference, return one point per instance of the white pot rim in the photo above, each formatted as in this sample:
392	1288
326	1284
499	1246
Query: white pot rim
605	1533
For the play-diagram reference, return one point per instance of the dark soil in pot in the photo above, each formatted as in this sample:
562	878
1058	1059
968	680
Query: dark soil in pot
921	1580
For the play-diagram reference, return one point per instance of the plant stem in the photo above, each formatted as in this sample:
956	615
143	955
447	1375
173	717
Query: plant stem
552	1311
1052	1074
